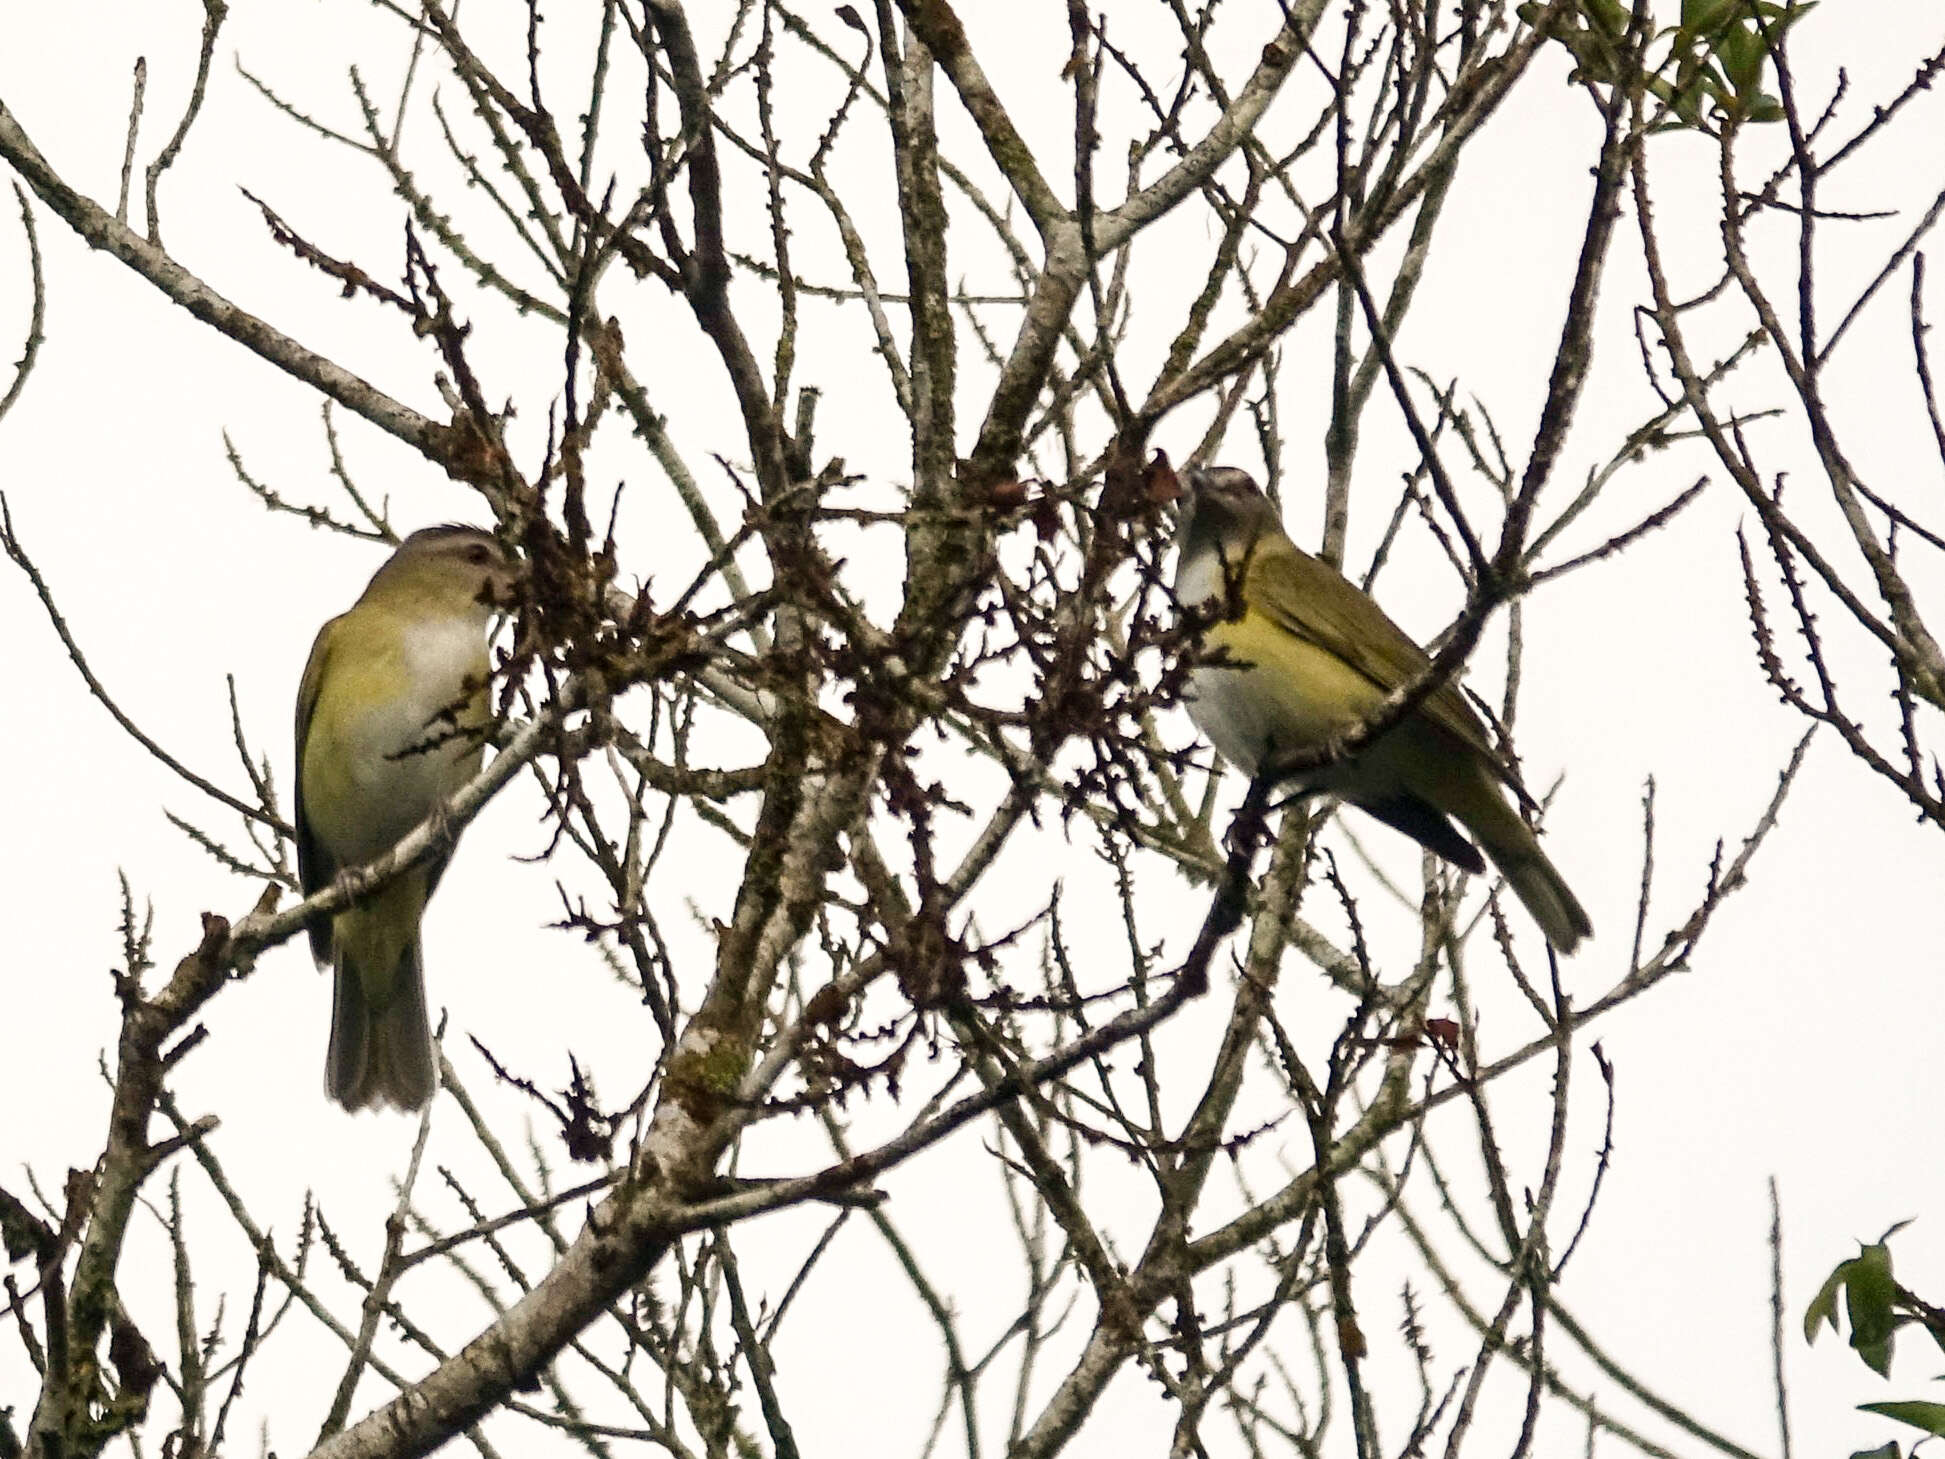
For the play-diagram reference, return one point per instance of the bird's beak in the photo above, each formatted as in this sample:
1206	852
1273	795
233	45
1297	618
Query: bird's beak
507	582
1192	482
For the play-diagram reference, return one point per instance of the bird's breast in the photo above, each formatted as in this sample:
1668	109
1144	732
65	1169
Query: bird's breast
1272	694
394	732
1199	578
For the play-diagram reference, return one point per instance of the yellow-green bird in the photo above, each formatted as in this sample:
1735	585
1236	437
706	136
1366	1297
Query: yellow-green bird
1306	655
389	724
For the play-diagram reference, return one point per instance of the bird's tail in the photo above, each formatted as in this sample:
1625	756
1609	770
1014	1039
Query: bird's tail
1547	897
1510	842
381	1040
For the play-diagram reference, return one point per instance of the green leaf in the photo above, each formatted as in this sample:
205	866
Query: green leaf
1870	1302
1887	1451
1688	103
1742	52
1702	16
1823	1306
1869	1292
1917	1412
1610	16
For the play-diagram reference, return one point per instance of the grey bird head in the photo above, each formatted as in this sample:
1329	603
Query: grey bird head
1224	506
452	568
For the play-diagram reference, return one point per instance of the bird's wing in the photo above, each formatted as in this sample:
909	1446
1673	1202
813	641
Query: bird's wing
1309	598
315	865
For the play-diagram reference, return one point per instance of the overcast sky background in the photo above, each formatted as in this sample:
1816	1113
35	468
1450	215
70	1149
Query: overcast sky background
1803	1045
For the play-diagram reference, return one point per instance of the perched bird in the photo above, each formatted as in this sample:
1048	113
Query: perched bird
1306	656
389	724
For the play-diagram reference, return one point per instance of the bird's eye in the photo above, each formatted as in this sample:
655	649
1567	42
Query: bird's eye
479	555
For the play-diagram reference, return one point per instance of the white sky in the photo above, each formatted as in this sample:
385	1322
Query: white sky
1803	1045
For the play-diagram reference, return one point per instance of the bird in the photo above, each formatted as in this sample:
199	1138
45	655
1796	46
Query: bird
391	716
1304	656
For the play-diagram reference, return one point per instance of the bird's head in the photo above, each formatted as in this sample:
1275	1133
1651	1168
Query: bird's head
453	569
1224	505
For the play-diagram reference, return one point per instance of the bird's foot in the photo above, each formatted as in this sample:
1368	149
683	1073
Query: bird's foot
445	825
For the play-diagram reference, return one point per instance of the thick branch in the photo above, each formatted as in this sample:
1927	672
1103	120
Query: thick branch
99	229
